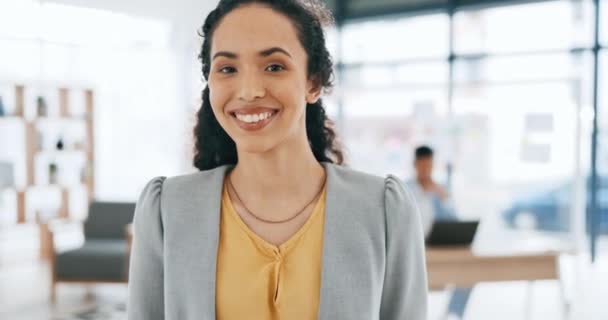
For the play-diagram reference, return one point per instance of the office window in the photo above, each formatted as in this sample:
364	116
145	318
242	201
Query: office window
528	68
604	22
603	101
394	93
600	216
516	142
394	75
602	152
396	39
332	41
383	126
524	28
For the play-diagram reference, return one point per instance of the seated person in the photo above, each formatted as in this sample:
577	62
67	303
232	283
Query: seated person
433	200
434	203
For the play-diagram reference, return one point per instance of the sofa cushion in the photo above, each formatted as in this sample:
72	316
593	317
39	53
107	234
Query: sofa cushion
95	260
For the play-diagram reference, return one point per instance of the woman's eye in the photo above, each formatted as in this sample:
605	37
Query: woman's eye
227	70
275	68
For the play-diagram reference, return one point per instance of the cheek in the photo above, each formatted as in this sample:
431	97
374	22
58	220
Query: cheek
217	98
291	94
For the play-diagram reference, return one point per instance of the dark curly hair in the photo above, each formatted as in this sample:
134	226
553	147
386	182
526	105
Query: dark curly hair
213	146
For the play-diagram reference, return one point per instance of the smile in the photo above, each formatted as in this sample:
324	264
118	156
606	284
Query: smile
255	121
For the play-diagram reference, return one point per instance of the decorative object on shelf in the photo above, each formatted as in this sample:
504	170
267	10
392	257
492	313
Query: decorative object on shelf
39	139
7	178
41	107
85	173
60	143
53	173
2	112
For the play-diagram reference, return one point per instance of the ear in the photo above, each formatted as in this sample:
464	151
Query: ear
313	91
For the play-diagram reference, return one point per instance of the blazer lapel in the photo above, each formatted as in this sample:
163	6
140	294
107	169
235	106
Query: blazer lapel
332	275
208	206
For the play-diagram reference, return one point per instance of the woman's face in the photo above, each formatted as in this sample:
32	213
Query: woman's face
258	79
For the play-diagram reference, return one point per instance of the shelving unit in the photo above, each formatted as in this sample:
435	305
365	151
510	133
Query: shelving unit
34	125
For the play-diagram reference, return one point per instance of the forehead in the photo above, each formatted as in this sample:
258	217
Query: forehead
255	27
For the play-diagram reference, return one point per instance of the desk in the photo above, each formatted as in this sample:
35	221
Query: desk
460	267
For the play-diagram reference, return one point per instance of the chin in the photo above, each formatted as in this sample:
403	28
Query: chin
255	145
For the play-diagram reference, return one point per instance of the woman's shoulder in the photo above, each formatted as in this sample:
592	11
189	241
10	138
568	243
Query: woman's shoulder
182	187
151	191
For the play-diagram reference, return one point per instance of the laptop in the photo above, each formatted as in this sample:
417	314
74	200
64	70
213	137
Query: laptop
452	233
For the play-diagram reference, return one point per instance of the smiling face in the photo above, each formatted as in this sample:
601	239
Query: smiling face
258	79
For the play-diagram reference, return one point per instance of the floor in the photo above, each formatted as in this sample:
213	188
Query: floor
24	288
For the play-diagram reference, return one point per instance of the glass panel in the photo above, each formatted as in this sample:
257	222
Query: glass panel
602	156
396	39
513	143
552	67
365	6
604	22
331	41
383	75
516	143
382	128
603	105
529	27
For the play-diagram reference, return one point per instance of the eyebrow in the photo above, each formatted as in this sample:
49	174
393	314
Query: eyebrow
263	53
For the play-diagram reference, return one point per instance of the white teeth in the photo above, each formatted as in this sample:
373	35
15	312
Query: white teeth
250	118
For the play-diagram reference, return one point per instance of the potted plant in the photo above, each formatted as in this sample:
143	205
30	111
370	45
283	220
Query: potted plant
53	173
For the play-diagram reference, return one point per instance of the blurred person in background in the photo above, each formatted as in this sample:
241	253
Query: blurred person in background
435	203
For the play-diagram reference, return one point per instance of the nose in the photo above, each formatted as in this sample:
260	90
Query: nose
251	87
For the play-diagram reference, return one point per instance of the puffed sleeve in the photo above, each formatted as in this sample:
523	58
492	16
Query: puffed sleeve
404	294
146	292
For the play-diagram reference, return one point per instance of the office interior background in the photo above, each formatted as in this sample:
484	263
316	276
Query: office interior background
98	97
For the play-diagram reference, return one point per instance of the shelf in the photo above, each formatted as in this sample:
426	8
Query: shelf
60	119
49	186
58	186
38	121
61	152
11	118
60	122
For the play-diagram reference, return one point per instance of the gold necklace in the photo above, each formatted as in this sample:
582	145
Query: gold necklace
273	221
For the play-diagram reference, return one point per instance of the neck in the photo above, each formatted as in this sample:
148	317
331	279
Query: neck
288	171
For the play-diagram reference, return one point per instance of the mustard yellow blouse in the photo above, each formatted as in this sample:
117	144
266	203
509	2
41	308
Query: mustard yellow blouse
258	280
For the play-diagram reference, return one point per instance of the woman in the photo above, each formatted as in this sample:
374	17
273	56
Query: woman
273	227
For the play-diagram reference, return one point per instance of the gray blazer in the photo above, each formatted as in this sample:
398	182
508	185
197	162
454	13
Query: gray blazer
373	250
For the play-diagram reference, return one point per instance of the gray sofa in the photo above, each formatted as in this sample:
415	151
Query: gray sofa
104	255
